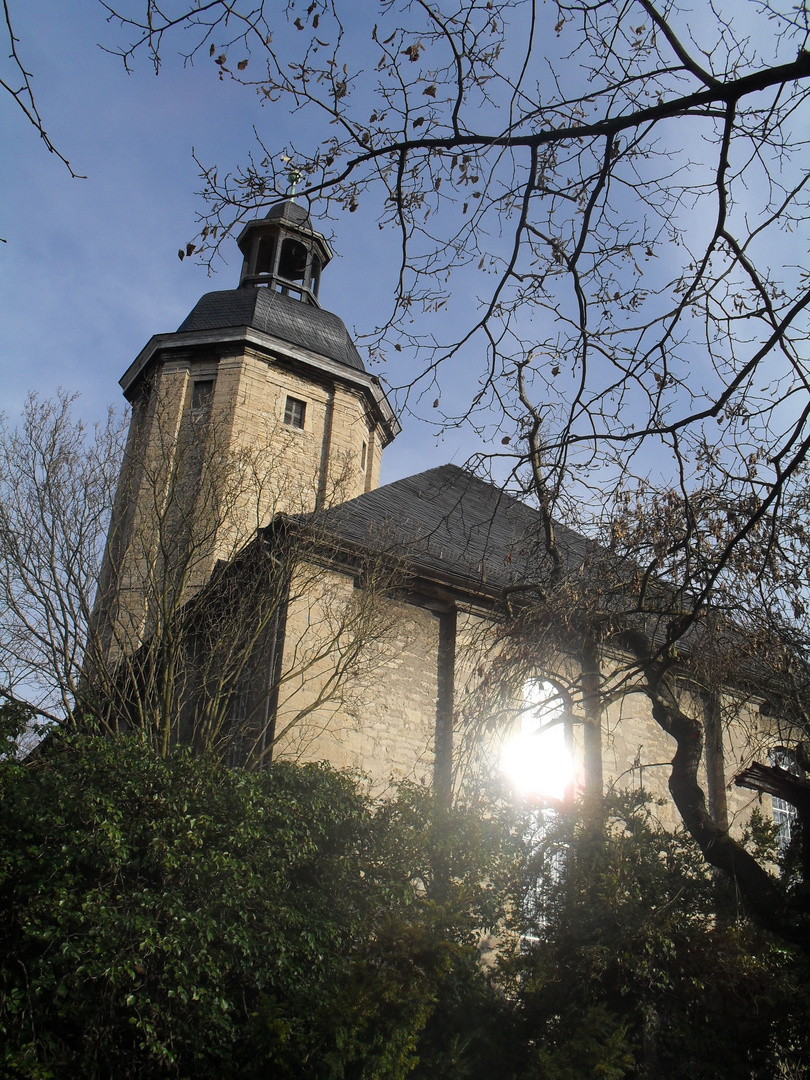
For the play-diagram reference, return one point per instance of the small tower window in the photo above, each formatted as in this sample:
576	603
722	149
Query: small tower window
295	412
363	450
202	392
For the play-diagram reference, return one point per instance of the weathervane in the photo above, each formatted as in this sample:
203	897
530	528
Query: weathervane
294	177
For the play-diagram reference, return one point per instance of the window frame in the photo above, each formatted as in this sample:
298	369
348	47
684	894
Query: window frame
202	404
784	814
295	413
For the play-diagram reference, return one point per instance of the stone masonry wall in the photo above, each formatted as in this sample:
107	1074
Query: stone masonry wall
205	480
381	720
295	469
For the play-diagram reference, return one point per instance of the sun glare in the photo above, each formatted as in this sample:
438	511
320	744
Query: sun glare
537	759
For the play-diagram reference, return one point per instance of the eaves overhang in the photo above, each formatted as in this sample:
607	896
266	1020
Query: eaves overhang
464	589
368	385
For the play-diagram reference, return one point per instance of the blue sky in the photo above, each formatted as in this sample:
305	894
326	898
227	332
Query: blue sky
89	270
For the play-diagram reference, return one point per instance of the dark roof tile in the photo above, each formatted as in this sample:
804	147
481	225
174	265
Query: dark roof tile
289	320
451	524
289	211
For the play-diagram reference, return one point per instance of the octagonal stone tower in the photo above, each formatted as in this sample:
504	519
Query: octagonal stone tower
258	404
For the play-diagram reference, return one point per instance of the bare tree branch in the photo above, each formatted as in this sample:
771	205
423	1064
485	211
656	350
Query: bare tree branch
23	95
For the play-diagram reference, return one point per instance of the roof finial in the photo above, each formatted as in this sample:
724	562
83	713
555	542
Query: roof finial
294	176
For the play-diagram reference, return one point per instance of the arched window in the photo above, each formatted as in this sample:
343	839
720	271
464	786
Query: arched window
537	758
537	755
785	814
266	256
292	264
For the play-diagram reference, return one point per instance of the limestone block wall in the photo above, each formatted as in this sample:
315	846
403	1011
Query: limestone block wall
637	752
380	715
747	736
324	456
354	450
380	719
199	480
480	723
149	540
287	469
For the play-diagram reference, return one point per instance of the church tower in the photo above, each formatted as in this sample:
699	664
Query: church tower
258	404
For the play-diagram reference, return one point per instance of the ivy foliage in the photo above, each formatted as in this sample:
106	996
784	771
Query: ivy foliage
637	962
170	918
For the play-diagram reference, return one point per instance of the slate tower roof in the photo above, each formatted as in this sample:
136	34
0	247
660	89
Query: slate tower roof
281	316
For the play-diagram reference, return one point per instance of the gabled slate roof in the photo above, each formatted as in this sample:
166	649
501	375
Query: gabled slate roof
282	317
452	526
455	530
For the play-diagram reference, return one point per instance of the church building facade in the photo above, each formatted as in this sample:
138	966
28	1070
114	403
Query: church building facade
265	385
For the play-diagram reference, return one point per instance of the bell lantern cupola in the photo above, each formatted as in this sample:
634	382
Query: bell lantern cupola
283	252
